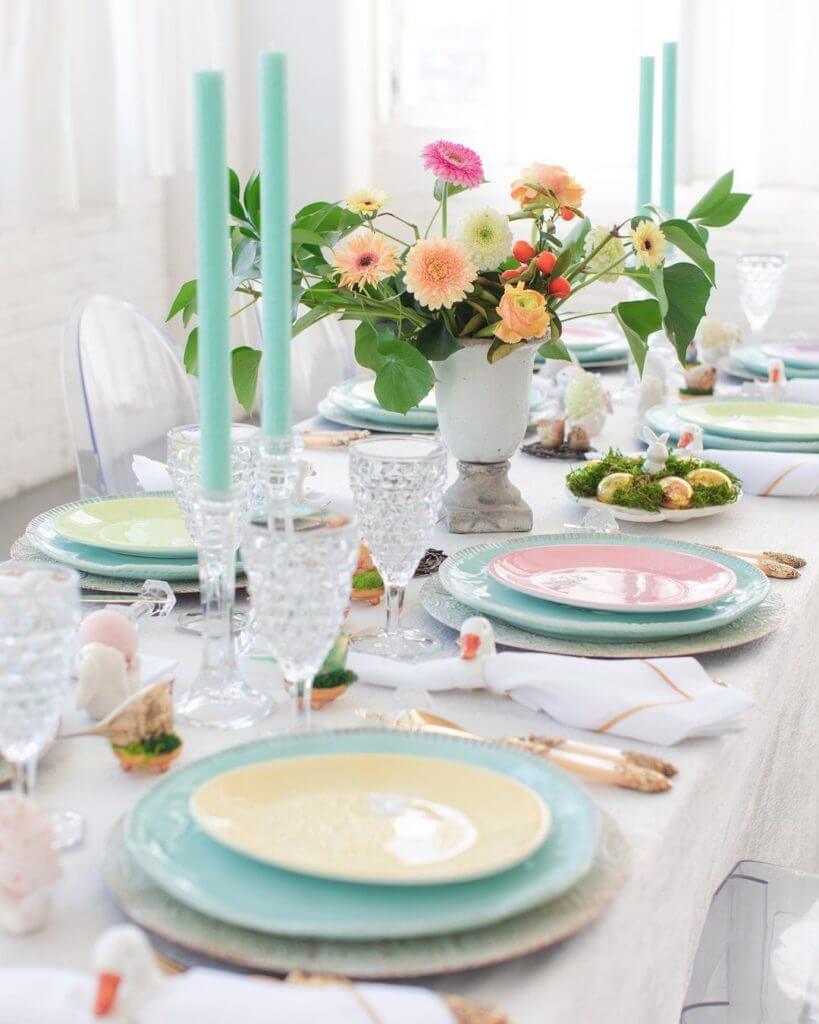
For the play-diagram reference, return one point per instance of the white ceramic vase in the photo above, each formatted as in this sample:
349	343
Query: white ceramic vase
483	413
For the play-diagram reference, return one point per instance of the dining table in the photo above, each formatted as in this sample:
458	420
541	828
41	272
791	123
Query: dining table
752	794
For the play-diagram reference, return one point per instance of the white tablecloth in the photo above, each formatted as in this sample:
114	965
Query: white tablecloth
751	795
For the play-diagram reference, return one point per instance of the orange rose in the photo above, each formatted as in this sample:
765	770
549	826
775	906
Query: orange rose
523	314
547	176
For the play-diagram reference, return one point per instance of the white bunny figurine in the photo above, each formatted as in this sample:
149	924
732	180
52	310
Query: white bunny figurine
690	442
657	454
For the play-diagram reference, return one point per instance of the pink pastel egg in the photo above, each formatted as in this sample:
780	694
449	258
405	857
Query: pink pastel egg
112	629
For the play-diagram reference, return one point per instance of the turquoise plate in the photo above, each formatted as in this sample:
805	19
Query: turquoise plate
165	841
670	419
753	358
335	414
41	533
466	577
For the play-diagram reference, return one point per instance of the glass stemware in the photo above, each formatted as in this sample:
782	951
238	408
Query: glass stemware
39	615
761	276
299	580
219	696
397	484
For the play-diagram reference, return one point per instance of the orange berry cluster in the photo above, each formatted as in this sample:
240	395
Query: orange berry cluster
544	261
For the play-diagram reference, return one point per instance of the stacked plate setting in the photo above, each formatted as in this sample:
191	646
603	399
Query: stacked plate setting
128	537
594	342
364	836
353	404
609	589
801	359
743	424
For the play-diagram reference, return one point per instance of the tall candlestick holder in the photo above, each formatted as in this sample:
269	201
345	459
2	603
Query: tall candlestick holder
280	474
220	697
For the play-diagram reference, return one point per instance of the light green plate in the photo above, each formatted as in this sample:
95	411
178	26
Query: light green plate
671	419
763	421
147	526
164	839
465	575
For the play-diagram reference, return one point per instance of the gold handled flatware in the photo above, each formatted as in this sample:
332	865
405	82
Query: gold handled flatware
614	772
656	764
331	438
779	565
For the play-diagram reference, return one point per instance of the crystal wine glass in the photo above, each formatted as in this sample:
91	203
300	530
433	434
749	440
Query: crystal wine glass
760	282
39	615
397	484
219	697
299	578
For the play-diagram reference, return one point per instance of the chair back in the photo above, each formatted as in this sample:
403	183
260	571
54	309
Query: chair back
125	386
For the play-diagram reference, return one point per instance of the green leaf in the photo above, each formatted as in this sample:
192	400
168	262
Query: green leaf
191	356
564	260
687	290
253	199
703	231
366	345
244	366
688	240
186	296
713	197
659	290
404	377
639	319
499	350
436	342
304	236
233	180
575	238
245	260
642	276
312	316
451	190
728	210
554	350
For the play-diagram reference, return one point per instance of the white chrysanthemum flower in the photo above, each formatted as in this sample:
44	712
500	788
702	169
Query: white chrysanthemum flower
611	253
584	395
486	237
714	337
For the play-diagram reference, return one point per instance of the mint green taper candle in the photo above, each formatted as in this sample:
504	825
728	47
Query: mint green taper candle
668	167
276	319
645	136
212	199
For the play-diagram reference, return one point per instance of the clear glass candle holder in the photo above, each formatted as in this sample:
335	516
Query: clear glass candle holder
299	581
398	484
39	616
219	697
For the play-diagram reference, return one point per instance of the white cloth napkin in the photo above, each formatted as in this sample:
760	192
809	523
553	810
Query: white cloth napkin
779	474
212	997
658	701
151	476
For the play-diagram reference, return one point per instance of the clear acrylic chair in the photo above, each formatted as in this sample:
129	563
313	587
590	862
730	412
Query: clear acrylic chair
758	957
125	386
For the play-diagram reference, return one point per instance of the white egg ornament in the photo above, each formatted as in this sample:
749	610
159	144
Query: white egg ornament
108	663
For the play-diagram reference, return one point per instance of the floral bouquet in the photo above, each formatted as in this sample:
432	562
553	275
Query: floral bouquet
417	292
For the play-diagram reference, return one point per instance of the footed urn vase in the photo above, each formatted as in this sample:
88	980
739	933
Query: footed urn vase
483	413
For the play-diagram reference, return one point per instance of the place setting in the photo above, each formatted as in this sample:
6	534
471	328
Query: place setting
399	666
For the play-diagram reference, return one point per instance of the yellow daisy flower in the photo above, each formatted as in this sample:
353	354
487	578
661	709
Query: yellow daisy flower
366	200
649	244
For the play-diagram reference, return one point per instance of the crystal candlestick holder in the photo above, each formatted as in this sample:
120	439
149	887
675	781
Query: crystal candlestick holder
219	697
280	474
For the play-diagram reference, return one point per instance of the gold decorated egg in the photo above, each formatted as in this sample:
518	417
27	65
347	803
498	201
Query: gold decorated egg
707	478
677	493
609	484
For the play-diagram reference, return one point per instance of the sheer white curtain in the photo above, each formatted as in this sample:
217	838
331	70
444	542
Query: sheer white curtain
96	92
752	79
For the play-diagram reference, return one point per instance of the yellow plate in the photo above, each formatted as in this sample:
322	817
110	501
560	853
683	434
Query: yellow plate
387	819
145	526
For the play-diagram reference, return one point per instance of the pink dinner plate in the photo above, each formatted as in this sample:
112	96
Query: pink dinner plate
614	578
796	353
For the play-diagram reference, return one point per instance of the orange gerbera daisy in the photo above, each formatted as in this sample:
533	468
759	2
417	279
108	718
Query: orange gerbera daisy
365	258
438	272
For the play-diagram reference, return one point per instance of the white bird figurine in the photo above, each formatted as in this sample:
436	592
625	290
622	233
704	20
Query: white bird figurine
690	443
657	454
477	639
129	988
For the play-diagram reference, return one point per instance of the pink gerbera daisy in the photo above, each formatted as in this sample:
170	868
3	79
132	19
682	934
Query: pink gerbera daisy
366	258
454	163
438	272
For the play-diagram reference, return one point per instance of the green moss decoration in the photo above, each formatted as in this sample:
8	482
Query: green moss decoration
335	677
645	491
369	580
151	746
